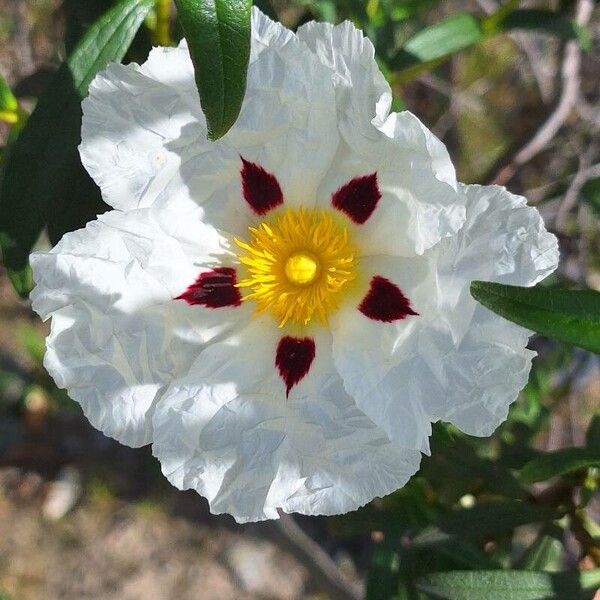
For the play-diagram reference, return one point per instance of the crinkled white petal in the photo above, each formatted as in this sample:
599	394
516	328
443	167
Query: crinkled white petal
133	120
456	361
366	352
362	93
228	432
420	203
503	240
118	336
144	137
266	32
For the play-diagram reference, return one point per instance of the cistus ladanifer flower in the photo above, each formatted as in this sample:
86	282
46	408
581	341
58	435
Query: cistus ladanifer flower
283	313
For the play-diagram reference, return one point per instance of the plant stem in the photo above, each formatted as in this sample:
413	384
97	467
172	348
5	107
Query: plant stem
162	30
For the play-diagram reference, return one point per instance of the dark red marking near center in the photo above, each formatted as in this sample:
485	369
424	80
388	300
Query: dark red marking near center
358	198
385	302
214	289
261	189
293	359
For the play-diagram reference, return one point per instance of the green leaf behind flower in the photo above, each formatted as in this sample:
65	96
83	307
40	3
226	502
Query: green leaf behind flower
218	36
510	585
43	168
572	316
487	518
8	103
559	462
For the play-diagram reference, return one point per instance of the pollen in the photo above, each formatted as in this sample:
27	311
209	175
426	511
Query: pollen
297	266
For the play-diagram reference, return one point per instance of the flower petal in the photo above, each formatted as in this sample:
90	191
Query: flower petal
227	431
145	139
362	93
416	210
420	203
367	350
131	118
457	361
118	336
503	240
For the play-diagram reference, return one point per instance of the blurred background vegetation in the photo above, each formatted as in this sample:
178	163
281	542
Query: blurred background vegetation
513	89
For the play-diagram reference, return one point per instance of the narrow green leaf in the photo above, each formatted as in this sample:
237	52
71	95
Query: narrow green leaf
218	35
432	45
592	437
439	41
43	163
572	316
8	102
384	574
545	21
510	585
544	554
21	279
559	462
482	520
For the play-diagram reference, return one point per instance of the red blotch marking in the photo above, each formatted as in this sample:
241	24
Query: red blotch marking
261	189
358	198
293	359
385	302
214	289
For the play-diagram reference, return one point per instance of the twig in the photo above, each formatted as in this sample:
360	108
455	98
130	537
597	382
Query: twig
538	194
318	563
568	99
461	98
526	43
582	535
583	175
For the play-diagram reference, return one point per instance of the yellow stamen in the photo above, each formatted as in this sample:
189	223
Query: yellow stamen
298	265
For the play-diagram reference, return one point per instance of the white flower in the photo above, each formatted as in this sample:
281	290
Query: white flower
283	313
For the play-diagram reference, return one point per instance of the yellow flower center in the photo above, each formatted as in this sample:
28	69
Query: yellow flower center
302	268
298	265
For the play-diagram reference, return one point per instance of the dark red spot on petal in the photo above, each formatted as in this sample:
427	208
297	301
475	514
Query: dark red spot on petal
214	289
293	359
261	189
385	302
358	198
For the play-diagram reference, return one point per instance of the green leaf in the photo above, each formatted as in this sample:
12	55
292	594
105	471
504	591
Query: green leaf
546	21
590	193
592	437
8	102
218	35
21	279
510	585
489	518
43	165
384	574
33	342
572	316
439	41
544	554
559	462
